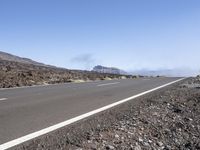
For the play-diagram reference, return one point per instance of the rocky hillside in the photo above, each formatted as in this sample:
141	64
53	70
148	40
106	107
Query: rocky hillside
10	57
16	71
112	70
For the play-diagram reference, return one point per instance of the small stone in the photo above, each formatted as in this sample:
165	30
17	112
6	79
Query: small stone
155	114
116	136
146	144
137	147
160	144
89	141
130	133
140	139
110	147
93	146
150	141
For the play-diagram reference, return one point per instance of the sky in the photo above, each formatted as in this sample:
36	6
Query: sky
128	34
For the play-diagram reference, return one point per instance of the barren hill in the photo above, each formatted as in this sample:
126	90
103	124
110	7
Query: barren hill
17	71
10	57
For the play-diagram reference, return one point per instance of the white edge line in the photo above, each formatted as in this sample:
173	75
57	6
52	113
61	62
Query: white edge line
75	119
108	84
3	99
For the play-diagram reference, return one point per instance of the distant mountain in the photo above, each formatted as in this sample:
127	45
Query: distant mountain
13	58
110	70
164	72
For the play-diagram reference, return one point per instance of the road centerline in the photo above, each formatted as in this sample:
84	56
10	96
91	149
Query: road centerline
108	84
3	99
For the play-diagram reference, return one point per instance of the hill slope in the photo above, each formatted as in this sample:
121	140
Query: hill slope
16	71
10	57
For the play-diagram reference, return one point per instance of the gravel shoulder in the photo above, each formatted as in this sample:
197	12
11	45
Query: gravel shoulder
166	119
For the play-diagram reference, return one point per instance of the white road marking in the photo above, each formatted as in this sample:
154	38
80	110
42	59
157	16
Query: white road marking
108	84
145	79
44	85
3	99
75	119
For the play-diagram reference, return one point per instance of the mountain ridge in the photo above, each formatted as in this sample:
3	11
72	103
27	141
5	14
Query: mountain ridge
112	70
10	57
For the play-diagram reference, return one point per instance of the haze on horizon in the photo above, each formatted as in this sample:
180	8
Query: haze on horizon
131	35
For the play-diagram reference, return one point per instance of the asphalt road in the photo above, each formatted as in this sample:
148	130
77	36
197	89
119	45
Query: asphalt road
26	110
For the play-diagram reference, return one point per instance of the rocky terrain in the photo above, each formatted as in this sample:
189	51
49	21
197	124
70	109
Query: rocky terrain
111	70
10	57
19	73
168	119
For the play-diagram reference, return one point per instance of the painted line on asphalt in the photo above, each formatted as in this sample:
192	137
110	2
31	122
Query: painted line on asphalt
145	79
75	119
3	99
108	84
45	85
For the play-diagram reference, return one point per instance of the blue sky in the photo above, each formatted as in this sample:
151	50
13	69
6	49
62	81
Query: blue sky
129	34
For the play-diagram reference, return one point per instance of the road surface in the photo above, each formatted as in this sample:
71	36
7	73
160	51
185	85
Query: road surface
29	109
